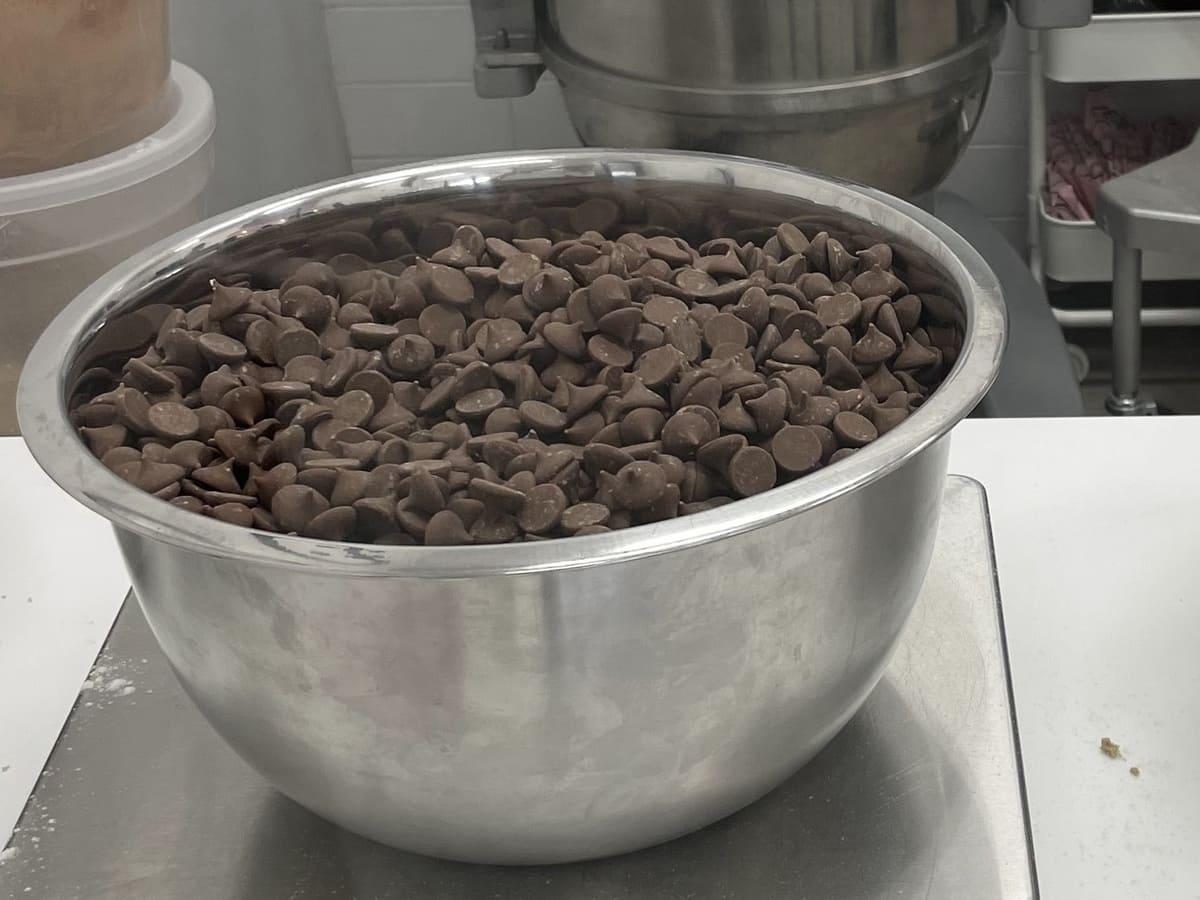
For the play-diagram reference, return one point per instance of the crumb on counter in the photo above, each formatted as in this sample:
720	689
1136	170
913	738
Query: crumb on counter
1135	771
1110	749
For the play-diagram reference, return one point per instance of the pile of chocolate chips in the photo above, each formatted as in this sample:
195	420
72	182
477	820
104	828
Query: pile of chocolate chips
498	389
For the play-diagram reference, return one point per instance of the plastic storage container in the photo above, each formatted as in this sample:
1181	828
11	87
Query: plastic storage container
61	229
79	78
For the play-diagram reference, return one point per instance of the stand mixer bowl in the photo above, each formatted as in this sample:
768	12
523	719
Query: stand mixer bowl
882	92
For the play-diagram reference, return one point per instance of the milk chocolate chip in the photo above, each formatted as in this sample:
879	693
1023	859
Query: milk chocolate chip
556	375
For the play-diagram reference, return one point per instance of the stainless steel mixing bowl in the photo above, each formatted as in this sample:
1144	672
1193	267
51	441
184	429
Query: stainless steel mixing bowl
886	92
550	701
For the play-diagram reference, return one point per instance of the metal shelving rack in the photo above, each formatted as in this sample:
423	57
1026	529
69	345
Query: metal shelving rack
1112	48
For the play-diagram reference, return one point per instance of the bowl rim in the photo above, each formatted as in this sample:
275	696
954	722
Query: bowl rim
60	451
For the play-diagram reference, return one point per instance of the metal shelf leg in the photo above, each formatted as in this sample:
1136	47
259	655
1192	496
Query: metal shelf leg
1127	335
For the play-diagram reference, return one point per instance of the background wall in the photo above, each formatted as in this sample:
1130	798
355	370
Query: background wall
994	171
278	121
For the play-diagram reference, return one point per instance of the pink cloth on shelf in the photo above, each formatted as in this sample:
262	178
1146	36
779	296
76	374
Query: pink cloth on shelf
1083	152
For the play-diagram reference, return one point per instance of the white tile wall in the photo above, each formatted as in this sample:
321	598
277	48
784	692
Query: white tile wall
403	71
422	120
411	44
994	170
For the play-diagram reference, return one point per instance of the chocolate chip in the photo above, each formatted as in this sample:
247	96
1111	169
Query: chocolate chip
907	311
154	452
449	285
227	301
426	493
769	410
840	372
796	351
494	527
815	284
796	449
354	407
584	516
141	375
173	421
187	453
639	484
212	419
680	378
149	475
446	529
875	255
411	355
815	252
336	524
694	281
608	352
295	505
373	336
496	496
685	433
725	328
873	347
548	289
815	411
665	248
805	323
294	343
659	366
697	387
734	417
662	311
849	400
132	409
439	323
245	405
641	425
267	484
517	268
842	263
751	471
542	417
838	309
543	509
836	338
885	419
791	238
853	430
220	349
310	305
876	281
914	355
566	337
479	404
234	514
715	454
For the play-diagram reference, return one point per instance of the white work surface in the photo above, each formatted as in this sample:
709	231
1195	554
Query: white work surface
61	585
1098	547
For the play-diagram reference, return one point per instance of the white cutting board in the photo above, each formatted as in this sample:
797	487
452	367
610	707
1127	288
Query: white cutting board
62	583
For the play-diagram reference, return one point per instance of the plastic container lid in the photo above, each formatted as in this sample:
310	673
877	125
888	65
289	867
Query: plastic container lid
187	130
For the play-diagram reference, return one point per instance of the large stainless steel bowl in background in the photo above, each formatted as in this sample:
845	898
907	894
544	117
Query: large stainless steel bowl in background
884	92
547	701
